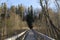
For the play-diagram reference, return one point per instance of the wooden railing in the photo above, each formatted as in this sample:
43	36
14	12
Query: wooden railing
15	37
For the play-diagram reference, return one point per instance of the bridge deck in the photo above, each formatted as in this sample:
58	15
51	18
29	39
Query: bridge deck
30	35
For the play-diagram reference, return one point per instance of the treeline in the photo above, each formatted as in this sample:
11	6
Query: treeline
13	18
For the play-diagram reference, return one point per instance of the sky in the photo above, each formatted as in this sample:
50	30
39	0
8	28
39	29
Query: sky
27	3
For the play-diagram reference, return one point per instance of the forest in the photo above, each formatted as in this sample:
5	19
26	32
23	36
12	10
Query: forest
46	20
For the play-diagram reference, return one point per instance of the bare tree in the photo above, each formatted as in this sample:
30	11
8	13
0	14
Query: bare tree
58	12
48	19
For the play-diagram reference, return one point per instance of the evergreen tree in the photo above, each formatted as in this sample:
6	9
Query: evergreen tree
29	18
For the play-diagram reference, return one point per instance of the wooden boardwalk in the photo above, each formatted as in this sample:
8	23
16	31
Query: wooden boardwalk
30	35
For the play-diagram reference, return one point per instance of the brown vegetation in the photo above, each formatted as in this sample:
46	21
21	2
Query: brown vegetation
12	19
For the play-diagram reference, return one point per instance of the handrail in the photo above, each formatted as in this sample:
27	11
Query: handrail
44	35
16	36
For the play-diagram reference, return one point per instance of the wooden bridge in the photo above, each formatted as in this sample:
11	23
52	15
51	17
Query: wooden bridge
30	35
